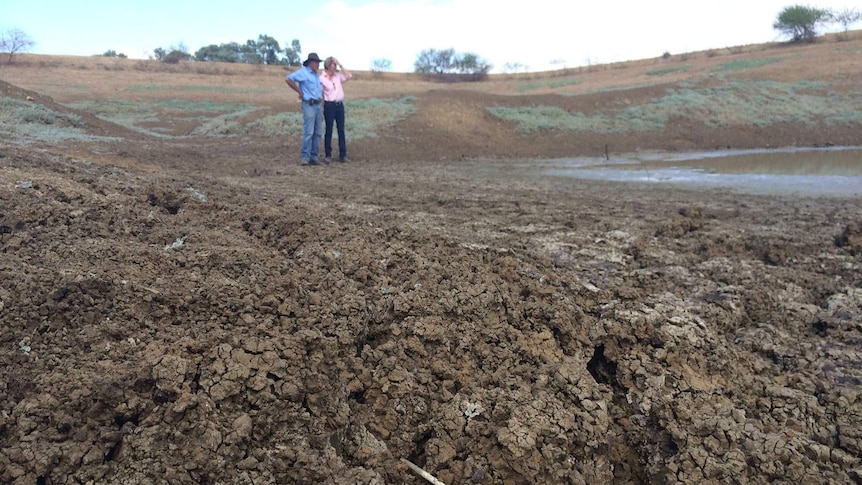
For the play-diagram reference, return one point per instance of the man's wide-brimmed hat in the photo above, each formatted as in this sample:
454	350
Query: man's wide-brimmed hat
311	57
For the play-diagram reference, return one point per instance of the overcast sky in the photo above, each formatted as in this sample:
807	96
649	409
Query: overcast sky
536	34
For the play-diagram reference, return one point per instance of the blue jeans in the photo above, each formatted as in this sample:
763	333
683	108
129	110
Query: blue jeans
334	112
312	125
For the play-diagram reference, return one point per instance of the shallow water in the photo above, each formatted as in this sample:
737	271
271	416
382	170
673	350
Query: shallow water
833	171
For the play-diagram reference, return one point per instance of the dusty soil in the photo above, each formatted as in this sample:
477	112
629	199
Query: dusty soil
206	311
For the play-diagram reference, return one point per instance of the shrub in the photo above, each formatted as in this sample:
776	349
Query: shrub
800	22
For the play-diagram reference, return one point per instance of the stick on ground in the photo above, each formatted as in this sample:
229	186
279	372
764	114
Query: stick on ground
422	473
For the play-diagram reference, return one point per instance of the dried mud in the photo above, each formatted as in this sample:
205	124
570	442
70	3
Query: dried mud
209	312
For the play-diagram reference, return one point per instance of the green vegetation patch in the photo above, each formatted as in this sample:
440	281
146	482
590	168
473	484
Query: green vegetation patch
667	70
743	64
149	88
368	116
24	122
738	103
137	115
225	125
543	118
553	84
276	125
762	103
365	118
612	89
19	111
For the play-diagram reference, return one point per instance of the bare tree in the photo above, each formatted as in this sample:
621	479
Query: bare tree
14	41
846	17
447	61
381	65
513	67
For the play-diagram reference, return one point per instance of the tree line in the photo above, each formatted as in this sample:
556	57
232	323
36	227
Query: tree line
265	50
447	61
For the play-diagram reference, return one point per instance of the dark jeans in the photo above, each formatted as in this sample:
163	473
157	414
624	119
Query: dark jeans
334	111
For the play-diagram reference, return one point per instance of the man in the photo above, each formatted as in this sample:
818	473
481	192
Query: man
306	82
333	106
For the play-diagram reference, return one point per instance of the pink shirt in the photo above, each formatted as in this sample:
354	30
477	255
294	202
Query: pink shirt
332	90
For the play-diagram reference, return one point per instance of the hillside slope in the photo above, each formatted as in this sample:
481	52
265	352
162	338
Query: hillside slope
754	96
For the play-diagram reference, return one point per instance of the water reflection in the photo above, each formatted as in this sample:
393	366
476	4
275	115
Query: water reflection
834	171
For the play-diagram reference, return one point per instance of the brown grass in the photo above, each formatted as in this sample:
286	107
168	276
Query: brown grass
87	77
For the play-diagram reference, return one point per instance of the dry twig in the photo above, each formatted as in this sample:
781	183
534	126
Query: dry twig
422	473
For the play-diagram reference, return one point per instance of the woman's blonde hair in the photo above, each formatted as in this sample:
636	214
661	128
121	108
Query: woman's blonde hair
328	62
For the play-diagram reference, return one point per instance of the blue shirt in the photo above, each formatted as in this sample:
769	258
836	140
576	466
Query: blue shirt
309	83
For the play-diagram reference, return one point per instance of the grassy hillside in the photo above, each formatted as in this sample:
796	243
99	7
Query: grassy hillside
767	95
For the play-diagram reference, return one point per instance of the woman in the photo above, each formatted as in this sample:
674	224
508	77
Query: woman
333	106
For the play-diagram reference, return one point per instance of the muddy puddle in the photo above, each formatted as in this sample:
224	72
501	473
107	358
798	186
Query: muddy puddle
833	171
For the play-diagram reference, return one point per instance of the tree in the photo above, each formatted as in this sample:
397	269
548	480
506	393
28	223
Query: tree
249	53
381	65
470	63
447	65
173	55
113	53
512	67
14	41
845	17
268	49
800	22
447	61
264	50
293	54
231	52
433	61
